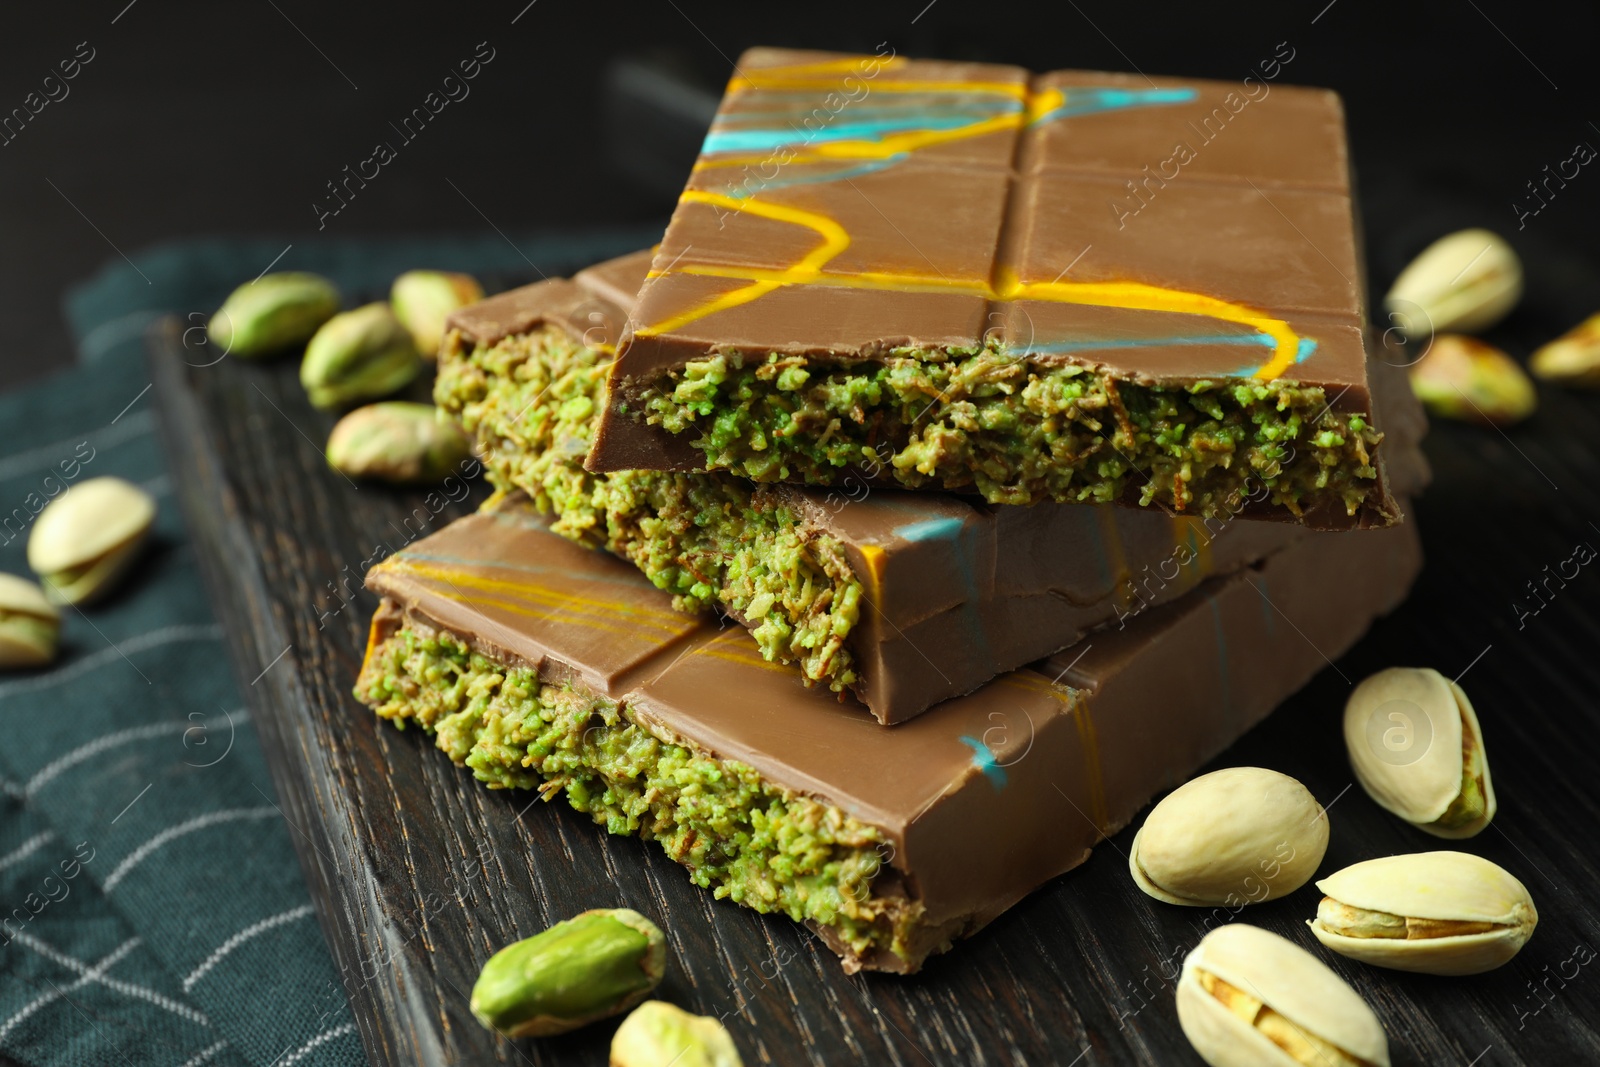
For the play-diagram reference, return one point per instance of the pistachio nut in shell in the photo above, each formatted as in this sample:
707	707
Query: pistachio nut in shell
29	624
272	313
1571	359
85	539
1465	281
1468	380
659	1034
1417	749
1235	836
1249	998
595	964
423	299
1435	912
397	441
358	355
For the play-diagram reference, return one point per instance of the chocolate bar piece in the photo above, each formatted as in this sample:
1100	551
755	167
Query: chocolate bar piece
903	598
1073	286
541	665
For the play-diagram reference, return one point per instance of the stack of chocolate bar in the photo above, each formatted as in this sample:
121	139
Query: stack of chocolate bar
1032	477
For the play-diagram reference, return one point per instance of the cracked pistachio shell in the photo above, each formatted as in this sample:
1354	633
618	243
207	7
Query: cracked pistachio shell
358	355
1466	281
659	1034
423	299
1249	998
29	624
1417	749
1446	913
1468	380
397	441
1236	836
1573	358
85	539
274	312
595	964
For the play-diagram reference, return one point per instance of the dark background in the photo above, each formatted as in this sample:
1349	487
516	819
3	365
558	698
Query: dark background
208	118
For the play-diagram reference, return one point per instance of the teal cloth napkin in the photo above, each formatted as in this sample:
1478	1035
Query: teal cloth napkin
152	910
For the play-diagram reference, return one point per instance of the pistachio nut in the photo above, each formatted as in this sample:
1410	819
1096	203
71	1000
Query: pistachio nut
595	964
423	299
397	441
273	312
659	1034
1464	378
358	355
1417	749
1435	912
85	539
1232	837
29	624
1465	281
1249	998
1573	358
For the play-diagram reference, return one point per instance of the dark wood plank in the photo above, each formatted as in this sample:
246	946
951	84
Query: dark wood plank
419	872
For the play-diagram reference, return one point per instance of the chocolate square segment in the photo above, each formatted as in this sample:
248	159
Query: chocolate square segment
1253	130
852	213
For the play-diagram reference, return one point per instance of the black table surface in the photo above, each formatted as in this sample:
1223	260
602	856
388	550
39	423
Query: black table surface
419	872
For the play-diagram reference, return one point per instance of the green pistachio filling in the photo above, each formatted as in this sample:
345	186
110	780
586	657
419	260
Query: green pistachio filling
29	629
1470	803
740	836
1017	431
531	402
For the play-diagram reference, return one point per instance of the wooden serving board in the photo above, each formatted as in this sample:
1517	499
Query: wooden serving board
419	872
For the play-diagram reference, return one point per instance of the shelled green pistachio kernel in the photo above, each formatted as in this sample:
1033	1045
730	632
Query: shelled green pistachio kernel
1236	836
423	299
397	441
1416	747
595	964
1571	359
1444	913
659	1034
1249	998
274	312
29	624
359	355
1465	281
85	539
1468	380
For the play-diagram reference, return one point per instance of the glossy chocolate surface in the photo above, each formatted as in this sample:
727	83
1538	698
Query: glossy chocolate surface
986	796
958	591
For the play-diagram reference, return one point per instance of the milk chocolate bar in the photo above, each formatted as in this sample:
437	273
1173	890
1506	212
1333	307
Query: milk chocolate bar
541	665
1072	286
904	599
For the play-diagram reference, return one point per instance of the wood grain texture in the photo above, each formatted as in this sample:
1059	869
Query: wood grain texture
419	872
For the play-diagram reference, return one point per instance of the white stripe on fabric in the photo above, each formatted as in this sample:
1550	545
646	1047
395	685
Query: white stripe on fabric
100	744
240	938
199	822
55	994
114	332
97	746
321	1039
26	849
154	639
49	455
55	955
205	1054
